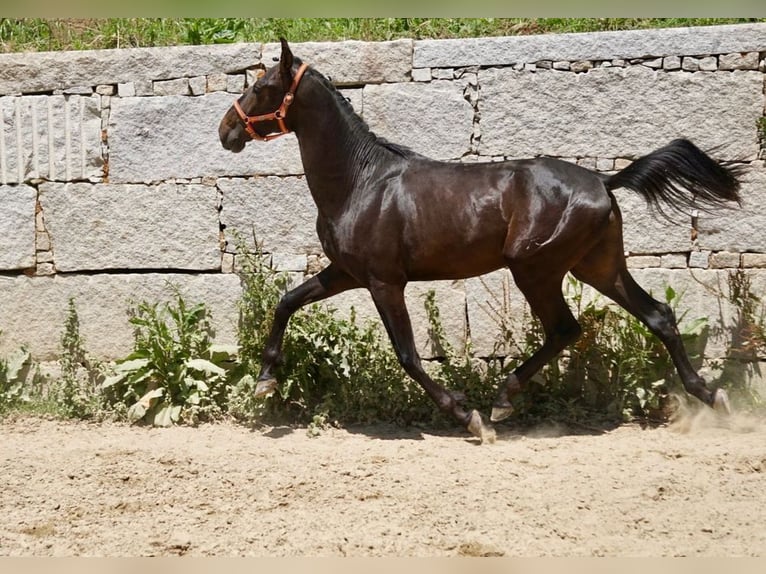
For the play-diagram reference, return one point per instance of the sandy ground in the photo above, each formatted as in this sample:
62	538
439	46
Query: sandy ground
692	488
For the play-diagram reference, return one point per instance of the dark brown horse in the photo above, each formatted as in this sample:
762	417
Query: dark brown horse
388	215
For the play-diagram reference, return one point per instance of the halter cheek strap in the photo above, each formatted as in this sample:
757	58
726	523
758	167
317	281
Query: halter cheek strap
279	115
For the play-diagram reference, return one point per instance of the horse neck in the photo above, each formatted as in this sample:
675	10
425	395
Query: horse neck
334	145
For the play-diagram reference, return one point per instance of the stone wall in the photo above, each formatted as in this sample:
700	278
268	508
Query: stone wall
115	188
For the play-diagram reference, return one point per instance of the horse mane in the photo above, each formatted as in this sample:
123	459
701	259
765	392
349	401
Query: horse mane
360	126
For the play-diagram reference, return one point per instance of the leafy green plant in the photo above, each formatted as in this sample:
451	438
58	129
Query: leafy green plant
338	369
746	347
13	375
750	328
332	366
617	369
175	372
213	30
77	392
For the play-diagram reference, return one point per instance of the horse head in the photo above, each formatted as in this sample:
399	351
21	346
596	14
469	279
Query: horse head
261	112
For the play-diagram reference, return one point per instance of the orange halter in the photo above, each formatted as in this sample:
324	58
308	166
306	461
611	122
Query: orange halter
278	115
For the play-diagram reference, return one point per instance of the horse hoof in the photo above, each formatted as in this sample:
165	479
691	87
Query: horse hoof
721	402
477	428
265	387
500	413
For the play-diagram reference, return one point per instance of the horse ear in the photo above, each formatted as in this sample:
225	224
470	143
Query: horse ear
286	63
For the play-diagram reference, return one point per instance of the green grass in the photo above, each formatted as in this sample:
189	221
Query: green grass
37	34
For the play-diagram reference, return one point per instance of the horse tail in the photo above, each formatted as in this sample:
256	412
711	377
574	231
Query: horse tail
681	176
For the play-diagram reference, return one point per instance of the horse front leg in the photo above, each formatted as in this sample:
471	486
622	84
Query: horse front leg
389	300
328	282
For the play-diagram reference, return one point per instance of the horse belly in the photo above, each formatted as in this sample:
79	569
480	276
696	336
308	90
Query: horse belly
455	258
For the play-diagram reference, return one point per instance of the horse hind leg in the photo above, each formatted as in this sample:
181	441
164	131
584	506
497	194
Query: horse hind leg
604	268
543	293
538	270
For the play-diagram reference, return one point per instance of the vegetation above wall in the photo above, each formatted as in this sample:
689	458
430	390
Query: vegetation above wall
39	34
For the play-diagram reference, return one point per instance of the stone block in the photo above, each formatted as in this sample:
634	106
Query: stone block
671	63
217	82
353	62
757	260
33	310
738	229
198	85
581	66
623	44
235	83
48	71
699	259
126	90
673	261
421	75
289	262
52	137
643	261
176	87
604	164
708	64
158	138
724	260
603	116
279	211
42	241
17	227
112	226
433	119
747	61
645	231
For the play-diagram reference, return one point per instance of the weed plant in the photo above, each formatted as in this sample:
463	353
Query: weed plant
77	391
175	372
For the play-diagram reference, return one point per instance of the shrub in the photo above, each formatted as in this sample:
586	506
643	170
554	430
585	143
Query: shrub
175	373
333	367
13	375
617	369
77	392
340	370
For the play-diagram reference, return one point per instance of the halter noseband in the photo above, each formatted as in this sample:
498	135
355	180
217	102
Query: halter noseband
279	115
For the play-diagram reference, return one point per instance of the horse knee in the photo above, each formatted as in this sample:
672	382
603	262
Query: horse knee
564	334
